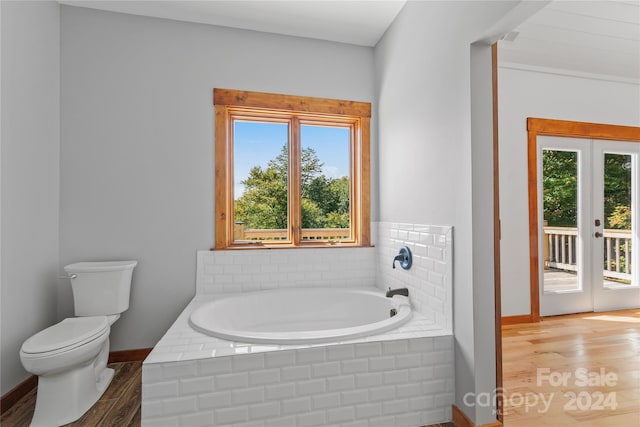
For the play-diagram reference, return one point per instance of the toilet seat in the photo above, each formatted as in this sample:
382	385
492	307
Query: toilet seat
67	335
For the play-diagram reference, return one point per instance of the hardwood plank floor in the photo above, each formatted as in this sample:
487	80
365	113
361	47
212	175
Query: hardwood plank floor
594	341
586	367
119	405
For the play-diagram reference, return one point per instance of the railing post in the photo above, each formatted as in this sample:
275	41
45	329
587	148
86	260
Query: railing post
545	245
617	240
627	256
238	231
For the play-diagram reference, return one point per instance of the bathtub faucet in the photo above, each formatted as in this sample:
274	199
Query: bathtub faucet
400	291
404	257
397	258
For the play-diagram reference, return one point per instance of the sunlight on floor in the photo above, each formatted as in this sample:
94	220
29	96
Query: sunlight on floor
609	318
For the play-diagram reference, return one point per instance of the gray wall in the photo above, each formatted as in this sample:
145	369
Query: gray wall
137	142
428	172
30	142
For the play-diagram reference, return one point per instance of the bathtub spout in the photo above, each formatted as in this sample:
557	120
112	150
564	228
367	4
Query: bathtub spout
400	291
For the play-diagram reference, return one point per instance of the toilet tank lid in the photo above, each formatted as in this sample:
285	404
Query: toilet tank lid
71	332
96	266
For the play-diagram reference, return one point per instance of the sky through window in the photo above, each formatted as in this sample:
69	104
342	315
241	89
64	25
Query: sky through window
255	143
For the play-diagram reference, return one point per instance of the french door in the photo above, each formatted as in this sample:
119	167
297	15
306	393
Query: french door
588	231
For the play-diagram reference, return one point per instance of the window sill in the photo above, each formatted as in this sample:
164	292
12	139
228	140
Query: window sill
276	247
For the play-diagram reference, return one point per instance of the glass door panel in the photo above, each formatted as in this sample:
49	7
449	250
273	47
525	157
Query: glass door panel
615	235
617	219
588	204
564	204
560	207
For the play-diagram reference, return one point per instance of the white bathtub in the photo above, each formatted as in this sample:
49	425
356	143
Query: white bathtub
403	377
301	316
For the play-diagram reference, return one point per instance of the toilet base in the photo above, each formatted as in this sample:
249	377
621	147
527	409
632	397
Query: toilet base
65	397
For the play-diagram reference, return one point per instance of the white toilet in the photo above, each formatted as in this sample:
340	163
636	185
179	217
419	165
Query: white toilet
70	358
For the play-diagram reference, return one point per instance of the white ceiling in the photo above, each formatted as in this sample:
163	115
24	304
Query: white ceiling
359	22
591	37
599	37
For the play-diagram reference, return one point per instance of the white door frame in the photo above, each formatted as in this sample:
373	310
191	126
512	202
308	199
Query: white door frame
592	292
577	300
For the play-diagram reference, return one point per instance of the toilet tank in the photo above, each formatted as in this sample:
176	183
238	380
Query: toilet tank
100	288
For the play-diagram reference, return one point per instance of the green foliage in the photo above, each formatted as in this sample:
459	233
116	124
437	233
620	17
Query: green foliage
330	193
264	202
560	189
620	218
311	214
263	205
617	191
337	220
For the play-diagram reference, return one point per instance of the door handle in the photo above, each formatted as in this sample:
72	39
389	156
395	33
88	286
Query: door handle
598	234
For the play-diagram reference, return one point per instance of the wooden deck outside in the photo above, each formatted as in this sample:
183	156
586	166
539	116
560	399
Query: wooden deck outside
240	233
560	250
559	280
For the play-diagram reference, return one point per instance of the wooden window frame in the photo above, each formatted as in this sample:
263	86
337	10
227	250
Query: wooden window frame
231	105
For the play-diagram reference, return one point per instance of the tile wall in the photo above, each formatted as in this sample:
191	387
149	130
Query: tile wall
254	270
401	383
401	378
430	278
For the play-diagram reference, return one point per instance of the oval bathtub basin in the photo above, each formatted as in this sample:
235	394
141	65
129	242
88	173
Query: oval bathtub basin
300	316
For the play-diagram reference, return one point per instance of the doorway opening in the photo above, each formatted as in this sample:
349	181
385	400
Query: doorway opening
583	216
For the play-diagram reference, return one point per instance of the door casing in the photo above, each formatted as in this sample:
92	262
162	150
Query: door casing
563	128
592	295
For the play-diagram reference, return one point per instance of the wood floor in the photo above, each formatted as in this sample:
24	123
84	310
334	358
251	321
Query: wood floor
586	368
606	346
119	406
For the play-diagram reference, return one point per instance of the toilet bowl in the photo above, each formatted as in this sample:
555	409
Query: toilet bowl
70	359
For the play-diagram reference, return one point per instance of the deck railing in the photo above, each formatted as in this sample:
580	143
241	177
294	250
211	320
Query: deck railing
314	234
560	248
560	251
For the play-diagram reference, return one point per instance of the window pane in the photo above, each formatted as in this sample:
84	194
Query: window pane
561	243
617	219
260	179
325	183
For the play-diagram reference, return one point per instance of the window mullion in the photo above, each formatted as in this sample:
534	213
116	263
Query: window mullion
354	182
295	221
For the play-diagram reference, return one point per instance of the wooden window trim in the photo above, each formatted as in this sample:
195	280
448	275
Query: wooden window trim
290	103
230	104
563	128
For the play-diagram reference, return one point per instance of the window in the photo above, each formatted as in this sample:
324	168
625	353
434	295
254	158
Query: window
290	171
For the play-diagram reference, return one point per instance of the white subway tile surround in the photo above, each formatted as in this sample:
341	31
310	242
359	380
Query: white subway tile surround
399	378
254	270
430	278
190	377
